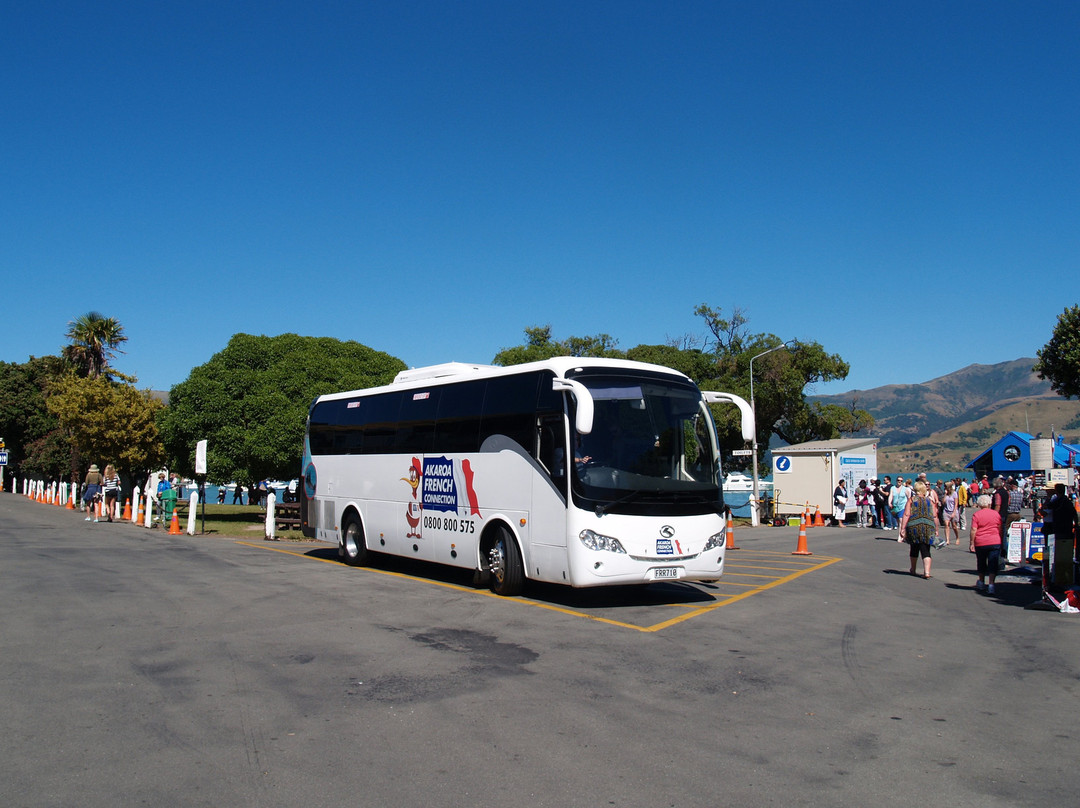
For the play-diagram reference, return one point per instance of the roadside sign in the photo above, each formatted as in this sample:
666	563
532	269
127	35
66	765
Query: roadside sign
741	452
3	458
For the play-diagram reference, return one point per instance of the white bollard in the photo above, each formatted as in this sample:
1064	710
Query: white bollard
271	501
149	520
193	503
135	505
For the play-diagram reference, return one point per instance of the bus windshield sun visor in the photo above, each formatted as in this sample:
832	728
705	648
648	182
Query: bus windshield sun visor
583	420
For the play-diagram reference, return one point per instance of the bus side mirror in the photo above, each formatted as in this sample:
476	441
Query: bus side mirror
748	426
583	422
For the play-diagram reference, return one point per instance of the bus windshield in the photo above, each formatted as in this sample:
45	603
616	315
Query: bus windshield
652	448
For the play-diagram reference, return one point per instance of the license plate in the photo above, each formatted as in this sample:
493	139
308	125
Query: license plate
665	572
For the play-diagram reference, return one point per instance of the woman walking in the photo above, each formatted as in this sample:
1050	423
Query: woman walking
919	527
112	490
985	542
92	495
950	515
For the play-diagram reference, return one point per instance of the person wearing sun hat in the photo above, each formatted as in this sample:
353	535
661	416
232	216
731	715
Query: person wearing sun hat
92	493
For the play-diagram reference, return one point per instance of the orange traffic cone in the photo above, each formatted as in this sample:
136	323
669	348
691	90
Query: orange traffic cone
806	515
142	512
801	549
174	525
127	510
71	500
730	537
818	520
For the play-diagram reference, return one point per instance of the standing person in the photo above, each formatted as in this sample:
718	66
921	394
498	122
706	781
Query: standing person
999	501
919	527
1013	508
884	493
898	498
221	495
163	487
862	502
238	494
1063	520
950	515
92	494
839	502
932	491
985	542
112	490
961	502
872	500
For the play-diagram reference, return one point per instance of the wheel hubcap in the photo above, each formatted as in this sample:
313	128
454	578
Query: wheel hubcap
497	560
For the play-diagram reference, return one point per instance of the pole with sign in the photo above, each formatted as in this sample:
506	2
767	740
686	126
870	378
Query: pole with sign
3	462
200	472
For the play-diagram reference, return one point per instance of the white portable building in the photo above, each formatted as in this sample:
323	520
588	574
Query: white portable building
807	473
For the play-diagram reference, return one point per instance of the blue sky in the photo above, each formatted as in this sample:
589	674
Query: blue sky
898	182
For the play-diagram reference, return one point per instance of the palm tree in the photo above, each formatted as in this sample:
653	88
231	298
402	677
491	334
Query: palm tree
94	340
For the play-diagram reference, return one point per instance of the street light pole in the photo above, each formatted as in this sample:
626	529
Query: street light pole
755	516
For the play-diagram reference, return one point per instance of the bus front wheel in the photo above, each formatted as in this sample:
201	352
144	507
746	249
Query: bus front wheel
507	570
352	542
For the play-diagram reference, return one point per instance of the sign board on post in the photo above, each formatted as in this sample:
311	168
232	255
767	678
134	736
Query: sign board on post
1017	540
200	457
3	457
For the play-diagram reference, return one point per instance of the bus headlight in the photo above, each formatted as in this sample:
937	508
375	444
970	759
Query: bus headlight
598	541
715	540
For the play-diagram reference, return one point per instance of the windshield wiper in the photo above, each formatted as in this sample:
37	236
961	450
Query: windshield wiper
603	509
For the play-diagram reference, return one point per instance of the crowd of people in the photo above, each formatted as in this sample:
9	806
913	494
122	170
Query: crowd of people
932	516
881	502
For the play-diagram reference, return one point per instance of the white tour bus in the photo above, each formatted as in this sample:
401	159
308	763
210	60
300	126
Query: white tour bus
575	471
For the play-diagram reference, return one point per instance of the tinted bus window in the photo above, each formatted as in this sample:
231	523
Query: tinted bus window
336	427
416	421
510	409
458	428
381	420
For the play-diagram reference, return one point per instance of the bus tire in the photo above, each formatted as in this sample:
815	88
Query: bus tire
507	569
352	542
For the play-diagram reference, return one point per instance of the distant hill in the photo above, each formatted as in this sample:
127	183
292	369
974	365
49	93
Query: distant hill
945	420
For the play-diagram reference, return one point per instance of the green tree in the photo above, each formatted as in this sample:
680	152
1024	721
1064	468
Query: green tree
30	432
719	359
250	402
94	342
108	422
539	345
1059	359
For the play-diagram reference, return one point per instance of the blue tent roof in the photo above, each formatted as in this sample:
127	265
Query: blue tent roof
1013	453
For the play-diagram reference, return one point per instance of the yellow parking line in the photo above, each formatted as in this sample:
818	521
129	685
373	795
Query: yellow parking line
693	611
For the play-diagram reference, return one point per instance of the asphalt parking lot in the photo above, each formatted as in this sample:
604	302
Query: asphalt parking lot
147	669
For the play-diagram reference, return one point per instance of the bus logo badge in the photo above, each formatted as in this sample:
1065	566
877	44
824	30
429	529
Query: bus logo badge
667	531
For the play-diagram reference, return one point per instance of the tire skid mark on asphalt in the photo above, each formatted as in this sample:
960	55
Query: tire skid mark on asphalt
802	567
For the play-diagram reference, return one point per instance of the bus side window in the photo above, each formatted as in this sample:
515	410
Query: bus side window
381	420
416	421
510	409
551	452
458	425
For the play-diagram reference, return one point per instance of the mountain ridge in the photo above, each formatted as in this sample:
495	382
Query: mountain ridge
909	414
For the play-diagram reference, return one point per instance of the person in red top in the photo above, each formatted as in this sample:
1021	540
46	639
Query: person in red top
985	542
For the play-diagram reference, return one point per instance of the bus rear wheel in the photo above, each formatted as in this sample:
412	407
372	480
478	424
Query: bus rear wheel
504	562
352	542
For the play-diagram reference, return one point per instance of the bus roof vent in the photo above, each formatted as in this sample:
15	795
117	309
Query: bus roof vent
440	371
